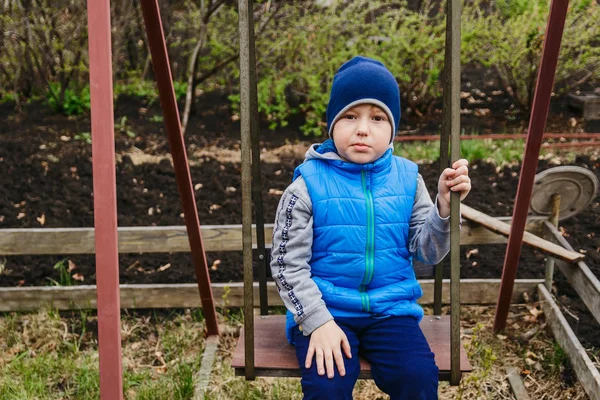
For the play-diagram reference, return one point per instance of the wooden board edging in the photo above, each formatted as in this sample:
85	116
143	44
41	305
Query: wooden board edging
586	371
185	295
134	239
163	239
503	228
516	384
202	378
579	274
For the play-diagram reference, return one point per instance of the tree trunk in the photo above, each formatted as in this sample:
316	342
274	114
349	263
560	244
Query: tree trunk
191	73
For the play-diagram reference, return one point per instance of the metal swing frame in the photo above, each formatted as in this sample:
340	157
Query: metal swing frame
251	189
105	187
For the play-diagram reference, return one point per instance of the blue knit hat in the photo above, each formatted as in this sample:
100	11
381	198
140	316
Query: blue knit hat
363	80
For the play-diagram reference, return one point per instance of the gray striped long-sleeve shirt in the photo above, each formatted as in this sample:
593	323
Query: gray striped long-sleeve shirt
429	242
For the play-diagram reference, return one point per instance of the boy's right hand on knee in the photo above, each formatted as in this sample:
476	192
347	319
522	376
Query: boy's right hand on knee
325	345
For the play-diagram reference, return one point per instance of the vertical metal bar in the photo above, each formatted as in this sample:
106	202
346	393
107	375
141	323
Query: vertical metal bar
262	282
444	154
452	124
437	288
537	123
162	70
554	221
444	149
105	200
246	84
256	176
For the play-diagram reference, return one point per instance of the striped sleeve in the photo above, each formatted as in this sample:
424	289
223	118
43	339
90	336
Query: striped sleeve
429	234
290	256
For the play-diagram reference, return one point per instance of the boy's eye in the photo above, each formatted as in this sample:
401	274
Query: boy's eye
379	118
349	116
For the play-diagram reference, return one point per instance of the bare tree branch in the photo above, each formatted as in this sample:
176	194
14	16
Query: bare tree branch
192	65
193	80
583	80
220	65
35	61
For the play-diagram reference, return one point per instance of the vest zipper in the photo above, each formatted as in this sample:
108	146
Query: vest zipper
370	247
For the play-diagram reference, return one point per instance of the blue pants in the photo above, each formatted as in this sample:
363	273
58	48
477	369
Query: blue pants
402	363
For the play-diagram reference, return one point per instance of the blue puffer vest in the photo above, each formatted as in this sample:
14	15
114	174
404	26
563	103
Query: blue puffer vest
360	258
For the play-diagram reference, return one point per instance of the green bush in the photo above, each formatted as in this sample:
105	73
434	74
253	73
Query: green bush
72	103
296	69
299	47
512	37
302	51
44	42
141	89
8	97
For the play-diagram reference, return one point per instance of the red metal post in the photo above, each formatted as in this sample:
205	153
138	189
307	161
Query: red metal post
168	101
105	200
537	123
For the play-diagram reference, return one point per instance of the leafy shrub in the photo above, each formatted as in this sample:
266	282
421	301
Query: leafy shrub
135	87
302	51
299	47
512	39
44	42
309	43
8	97
73	103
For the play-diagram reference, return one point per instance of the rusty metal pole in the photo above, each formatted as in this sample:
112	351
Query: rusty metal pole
168	101
451	126
537	123
247	96
105	200
444	154
263	256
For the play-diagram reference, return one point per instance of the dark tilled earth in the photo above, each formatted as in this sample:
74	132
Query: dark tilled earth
46	182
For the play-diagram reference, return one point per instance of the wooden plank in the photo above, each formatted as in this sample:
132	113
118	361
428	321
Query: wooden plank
473	233
143	239
183	295
529	238
132	296
579	275
586	371
516	384
208	360
477	291
163	239
276	357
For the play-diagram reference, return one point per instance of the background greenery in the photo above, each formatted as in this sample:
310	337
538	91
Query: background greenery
300	44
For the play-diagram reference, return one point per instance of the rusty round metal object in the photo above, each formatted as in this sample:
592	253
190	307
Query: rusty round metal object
576	186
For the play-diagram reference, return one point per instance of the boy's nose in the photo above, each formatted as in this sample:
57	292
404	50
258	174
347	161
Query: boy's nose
363	127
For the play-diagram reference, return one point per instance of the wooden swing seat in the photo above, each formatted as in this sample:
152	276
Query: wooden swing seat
274	356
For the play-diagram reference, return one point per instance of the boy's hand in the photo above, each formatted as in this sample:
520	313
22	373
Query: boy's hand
325	344
455	179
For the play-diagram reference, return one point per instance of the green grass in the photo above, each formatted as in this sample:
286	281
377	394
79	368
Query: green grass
48	376
49	356
499	152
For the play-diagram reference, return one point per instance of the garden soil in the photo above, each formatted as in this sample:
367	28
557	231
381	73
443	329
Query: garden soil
46	182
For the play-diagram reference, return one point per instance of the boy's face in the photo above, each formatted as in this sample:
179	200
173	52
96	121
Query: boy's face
362	134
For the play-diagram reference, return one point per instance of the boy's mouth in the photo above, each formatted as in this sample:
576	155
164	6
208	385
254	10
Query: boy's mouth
360	146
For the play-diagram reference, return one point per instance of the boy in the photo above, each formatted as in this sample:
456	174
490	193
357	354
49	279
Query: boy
345	234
